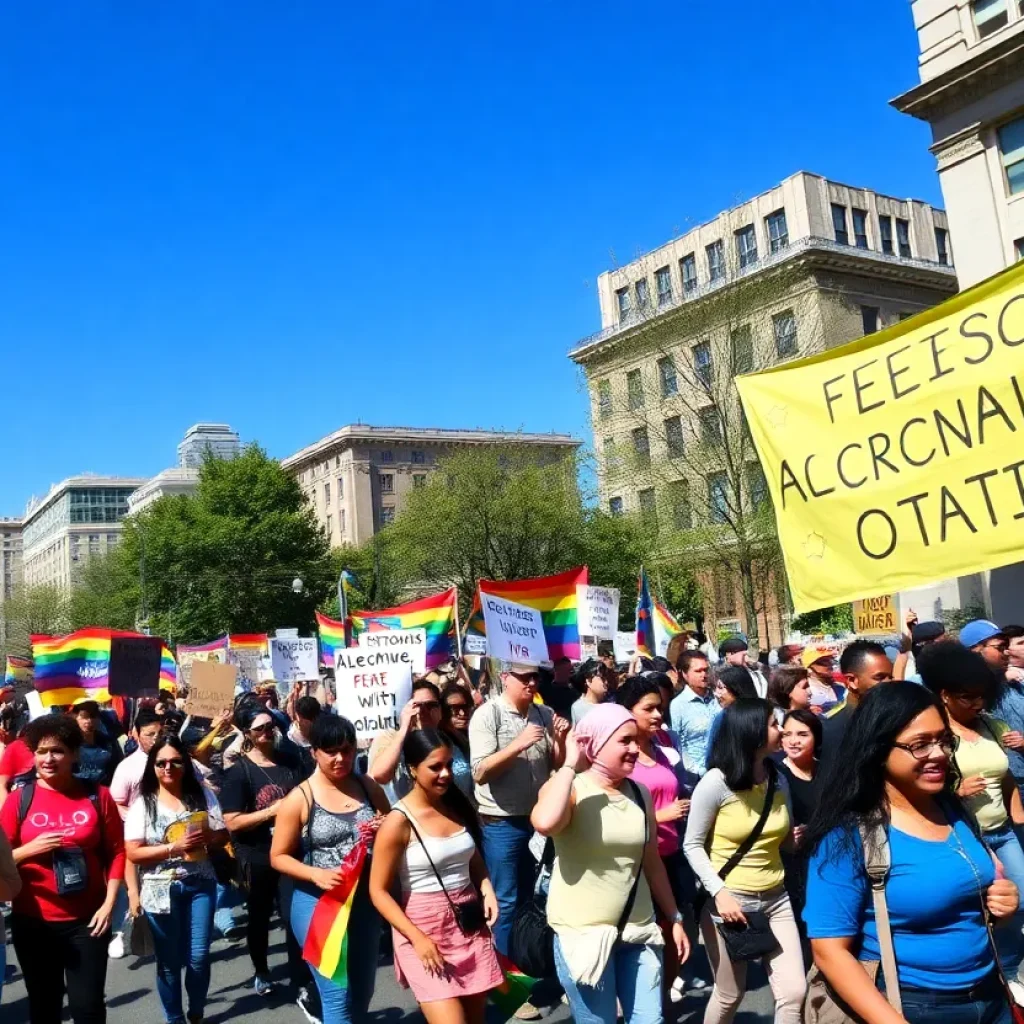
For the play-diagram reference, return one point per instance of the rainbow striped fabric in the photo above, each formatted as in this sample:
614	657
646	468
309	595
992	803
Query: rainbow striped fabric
515	988
248	642
19	670
220	644
71	667
553	596
665	624
332	639
326	946
645	642
434	614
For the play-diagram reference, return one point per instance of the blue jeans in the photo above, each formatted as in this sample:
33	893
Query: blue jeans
1005	846
344	1005
918	1008
182	939
512	868
632	978
3	966
223	917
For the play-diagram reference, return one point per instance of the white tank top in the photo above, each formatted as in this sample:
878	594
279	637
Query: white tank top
451	856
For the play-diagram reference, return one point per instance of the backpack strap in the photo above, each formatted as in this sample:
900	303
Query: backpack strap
877	862
25	797
636	797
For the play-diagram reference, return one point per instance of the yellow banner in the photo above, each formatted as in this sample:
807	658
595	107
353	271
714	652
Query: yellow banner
898	460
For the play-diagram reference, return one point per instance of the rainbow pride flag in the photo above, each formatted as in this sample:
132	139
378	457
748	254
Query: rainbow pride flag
220	644
645	642
435	614
553	596
19	670
332	639
248	642
71	667
326	946
665	626
515	988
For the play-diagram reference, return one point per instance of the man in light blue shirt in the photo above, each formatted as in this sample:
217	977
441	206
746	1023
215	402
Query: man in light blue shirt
693	711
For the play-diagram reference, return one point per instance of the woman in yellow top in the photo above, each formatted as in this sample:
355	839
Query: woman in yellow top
964	683
724	811
606	846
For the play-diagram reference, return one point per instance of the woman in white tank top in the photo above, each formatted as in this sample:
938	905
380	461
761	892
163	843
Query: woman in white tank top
430	842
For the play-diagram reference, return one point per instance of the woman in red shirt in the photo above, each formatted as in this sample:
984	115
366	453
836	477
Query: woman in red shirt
69	849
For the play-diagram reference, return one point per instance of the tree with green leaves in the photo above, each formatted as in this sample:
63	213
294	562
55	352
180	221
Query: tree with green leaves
33	609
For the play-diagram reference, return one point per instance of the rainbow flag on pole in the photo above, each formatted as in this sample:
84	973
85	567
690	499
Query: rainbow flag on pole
248	642
332	639
645	643
19	670
326	946
515	988
435	614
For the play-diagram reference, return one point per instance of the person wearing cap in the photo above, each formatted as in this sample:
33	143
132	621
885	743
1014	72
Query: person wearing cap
988	640
825	692
921	634
99	755
735	652
863	664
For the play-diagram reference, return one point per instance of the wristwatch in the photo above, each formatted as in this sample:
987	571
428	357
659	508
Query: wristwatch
677	917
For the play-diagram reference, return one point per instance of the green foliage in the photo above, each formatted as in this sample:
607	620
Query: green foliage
838	619
42	609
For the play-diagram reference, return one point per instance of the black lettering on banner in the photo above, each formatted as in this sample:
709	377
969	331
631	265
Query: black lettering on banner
878	556
1016	392
915	500
936	352
903	443
980	479
810	484
984	335
788	479
964	438
896	373
995	410
839	466
1014	468
956	512
1009	342
829	399
859	389
880	457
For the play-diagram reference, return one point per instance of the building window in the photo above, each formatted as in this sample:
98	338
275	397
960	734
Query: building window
667	376
710	425
860	228
742	349
674	437
113	539
387	514
327	494
682	512
688	270
716	261
625	303
643	295
615	506
641	447
648	505
387	456
702	364
942	245
757	486
746	246
341	522
612	461
418	458
778	233
869	319
635	389
885	234
903	237
989	16
663	281
387	483
604	398
839	224
330	527
1011	146
94	543
718	498
1019	248
341	489
419	480
337	462
784	326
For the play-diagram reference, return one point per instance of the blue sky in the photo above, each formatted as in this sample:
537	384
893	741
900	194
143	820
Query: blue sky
309	214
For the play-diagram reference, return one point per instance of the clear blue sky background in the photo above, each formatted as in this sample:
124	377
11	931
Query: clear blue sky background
294	216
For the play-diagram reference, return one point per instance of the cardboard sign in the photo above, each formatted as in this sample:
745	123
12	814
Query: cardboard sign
409	641
514	632
186	657
598	611
134	666
211	690
294	660
372	688
876	615
625	646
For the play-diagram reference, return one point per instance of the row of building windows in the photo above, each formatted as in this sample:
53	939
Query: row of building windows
678	503
992	15
1011	151
858	220
386	455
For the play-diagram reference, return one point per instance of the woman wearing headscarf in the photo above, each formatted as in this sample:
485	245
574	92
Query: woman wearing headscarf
607	867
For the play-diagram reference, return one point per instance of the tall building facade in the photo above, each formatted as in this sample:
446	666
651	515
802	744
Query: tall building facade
78	518
10	566
971	94
358	478
805	266
202	439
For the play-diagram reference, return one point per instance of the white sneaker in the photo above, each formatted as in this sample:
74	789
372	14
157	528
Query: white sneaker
116	948
1017	991
675	993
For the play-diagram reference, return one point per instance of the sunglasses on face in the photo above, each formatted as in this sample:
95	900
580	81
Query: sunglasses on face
174	763
527	680
457	709
428	705
262	728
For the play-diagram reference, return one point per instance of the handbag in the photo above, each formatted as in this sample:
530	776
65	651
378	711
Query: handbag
138	936
821	1004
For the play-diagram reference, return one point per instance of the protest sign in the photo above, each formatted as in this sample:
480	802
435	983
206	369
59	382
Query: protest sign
248	664
514	632
411	642
185	656
892	461
134	666
372	687
625	646
876	615
212	689
293	660
598	611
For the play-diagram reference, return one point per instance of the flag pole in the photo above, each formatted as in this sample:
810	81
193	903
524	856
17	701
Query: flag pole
458	627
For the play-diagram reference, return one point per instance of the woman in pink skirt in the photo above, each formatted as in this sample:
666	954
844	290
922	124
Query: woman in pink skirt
431	841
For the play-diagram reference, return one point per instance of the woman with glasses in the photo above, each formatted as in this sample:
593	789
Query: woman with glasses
169	832
250	797
385	765
894	769
456	711
965	686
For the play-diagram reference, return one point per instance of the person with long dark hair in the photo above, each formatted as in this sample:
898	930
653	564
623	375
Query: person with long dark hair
742	786
431	843
894	772
317	826
169	832
384	761
456	711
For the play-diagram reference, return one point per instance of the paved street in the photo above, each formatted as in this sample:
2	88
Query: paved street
132	999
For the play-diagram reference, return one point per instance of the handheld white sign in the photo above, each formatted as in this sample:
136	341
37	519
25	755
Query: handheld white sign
598	611
514	632
372	688
411	641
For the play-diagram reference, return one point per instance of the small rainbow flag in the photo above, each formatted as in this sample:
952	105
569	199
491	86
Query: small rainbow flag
435	614
326	946
248	642
19	670
332	639
665	626
645	642
515	988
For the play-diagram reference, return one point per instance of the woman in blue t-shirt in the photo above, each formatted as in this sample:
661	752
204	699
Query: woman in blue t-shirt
894	769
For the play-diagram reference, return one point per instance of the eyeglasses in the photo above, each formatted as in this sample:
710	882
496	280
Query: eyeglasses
269	727
526	680
173	762
920	749
999	645
428	705
969	698
458	709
